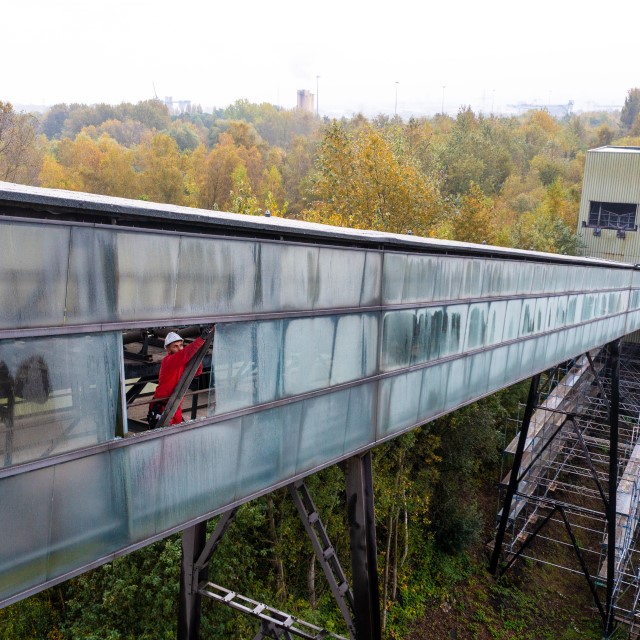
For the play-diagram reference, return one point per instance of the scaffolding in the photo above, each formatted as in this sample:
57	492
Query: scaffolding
575	485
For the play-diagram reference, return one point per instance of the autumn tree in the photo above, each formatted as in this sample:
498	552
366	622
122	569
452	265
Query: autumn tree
19	156
212	174
162	176
96	166
473	220
359	182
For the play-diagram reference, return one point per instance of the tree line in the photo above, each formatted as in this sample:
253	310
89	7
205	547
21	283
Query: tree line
506	180
513	181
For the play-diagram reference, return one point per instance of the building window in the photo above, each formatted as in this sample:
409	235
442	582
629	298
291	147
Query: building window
613	215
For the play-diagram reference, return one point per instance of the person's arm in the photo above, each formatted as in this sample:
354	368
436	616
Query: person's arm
182	357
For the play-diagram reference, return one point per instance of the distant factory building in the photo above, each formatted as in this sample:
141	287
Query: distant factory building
306	100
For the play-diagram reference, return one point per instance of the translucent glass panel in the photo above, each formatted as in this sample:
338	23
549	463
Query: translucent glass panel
408	399
113	275
411	278
33	274
71	514
259	362
57	394
189	473
117	275
61	517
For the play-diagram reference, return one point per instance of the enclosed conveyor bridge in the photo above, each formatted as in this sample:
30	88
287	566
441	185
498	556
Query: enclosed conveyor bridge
328	341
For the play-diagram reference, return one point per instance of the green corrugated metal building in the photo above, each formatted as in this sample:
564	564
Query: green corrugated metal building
608	224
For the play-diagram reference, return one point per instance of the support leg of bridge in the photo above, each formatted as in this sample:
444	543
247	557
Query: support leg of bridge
532	399
362	533
193	542
614	407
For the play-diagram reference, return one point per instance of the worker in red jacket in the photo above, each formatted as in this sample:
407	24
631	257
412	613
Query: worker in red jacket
171	369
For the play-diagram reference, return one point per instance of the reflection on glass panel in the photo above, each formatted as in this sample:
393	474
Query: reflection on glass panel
147	267
33	274
259	362
92	294
57	394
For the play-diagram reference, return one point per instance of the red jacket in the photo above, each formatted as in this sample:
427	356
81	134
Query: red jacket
171	370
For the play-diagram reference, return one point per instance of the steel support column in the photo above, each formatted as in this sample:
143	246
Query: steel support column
193	543
362	533
532	400
614	408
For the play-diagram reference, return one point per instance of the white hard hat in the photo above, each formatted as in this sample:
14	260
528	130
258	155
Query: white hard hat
171	337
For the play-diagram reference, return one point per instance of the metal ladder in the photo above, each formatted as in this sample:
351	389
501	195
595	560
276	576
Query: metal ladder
274	623
325	553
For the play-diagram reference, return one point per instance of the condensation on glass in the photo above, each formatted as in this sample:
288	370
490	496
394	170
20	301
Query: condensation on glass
57	394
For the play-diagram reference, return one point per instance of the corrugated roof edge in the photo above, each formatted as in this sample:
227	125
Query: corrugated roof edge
11	193
615	149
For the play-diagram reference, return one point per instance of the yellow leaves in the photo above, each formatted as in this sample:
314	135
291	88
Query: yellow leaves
360	182
474	219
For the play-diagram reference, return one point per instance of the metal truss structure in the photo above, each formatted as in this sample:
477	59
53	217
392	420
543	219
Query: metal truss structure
575	480
359	605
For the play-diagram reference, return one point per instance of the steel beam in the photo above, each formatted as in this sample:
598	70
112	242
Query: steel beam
532	400
362	534
614	409
189	607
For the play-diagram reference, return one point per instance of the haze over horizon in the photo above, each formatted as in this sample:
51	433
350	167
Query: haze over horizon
358	59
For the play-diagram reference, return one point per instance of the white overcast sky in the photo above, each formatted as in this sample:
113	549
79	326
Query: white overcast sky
486	54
